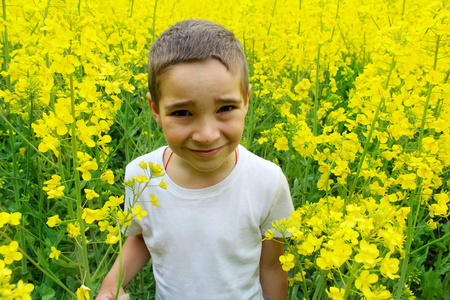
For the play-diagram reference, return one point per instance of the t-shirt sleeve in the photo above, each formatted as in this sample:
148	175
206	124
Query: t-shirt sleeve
281	205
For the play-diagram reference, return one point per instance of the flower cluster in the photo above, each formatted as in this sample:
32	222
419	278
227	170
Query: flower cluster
10	253
357	245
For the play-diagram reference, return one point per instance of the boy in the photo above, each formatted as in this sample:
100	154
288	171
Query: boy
205	239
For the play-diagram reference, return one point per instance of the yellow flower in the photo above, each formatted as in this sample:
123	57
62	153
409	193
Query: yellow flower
83	293
156	170
112	239
91	215
11	218
368	254
440	208
163	184
138	212
141	178
73	230
23	290
335	293
389	266
365	281
143	165
124	218
91	194
154	200
108	176
86	167
287	261
10	253
53	187
281	144
53	221
55	253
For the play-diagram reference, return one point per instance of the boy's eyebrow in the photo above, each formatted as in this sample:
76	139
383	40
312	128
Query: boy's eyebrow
229	101
182	104
179	104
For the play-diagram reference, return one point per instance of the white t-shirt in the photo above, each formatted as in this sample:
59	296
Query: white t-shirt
206	243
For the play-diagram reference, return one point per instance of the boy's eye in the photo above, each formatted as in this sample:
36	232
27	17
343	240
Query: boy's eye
181	113
226	108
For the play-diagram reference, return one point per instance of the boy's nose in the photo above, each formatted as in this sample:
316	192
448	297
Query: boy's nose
206	132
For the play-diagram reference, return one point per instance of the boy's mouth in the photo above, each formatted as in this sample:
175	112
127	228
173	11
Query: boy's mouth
206	153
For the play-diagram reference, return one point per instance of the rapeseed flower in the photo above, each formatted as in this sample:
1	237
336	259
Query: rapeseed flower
108	176
389	266
73	230
53	221
23	291
335	293
55	253
11	218
287	261
367	254
365	281
10	252
138	212
83	293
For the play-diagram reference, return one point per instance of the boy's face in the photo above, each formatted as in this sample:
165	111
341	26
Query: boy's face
201	111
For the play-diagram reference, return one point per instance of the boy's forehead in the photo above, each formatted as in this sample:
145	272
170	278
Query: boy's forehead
200	75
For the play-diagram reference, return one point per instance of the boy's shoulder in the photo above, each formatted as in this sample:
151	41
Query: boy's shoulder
155	157
257	164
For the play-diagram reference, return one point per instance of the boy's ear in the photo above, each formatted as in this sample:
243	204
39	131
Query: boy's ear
154	108
248	96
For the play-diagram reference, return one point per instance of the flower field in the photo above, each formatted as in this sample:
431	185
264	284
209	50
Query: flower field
350	97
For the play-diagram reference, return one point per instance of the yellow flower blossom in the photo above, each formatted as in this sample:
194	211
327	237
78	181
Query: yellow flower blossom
91	194
55	253
53	221
83	293
163	184
143	165
73	230
335	293
141	178
11	218
389	266
138	212
108	176
154	200
124	218
287	261
368	254
365	280
10	252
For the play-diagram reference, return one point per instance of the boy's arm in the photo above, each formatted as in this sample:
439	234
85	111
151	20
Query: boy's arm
135	256
273	278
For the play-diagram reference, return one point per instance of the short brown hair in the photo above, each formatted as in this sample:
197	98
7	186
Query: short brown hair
195	40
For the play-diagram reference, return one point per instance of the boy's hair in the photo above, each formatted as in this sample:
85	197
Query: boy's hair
194	40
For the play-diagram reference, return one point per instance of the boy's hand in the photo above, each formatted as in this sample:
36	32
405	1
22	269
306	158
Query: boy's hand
111	295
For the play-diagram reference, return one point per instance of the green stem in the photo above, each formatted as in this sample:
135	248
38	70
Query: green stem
154	22
49	275
430	243
318	293
350	280
83	247
131	8
316	96
15	184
